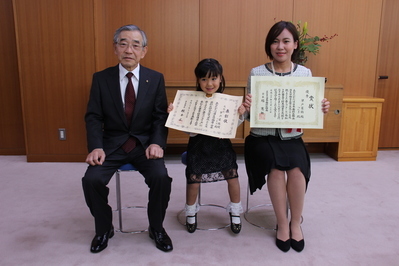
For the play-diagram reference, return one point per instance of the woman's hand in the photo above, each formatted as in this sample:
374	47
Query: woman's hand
325	105
247	103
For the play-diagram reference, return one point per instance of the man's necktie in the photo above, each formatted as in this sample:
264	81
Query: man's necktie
130	100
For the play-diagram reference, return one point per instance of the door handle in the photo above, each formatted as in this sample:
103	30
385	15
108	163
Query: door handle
383	77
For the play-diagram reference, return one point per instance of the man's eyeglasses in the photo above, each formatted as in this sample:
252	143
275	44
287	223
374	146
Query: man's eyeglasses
134	46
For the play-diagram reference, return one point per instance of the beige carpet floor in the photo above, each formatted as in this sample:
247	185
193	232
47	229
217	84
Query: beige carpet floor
351	217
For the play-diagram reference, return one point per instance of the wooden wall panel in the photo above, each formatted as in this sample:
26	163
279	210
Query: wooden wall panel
12	140
66	41
172	29
234	32
56	61
349	59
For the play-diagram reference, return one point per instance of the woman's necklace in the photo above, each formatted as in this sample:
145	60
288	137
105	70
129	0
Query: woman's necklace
274	73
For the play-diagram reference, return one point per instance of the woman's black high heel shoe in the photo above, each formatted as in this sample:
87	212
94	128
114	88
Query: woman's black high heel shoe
191	227
235	228
298	246
283	245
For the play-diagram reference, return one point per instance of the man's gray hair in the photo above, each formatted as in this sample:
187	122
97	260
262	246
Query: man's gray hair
130	28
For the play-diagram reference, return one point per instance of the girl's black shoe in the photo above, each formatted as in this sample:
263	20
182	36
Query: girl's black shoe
191	227
235	228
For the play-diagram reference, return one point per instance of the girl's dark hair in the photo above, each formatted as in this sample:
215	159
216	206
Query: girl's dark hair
275	31
209	67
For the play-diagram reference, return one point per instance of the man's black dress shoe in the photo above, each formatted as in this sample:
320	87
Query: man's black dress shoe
162	240
100	242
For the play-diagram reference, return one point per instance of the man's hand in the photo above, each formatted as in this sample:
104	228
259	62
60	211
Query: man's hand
96	157
154	151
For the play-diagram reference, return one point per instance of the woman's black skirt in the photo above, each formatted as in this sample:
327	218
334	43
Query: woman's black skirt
262	154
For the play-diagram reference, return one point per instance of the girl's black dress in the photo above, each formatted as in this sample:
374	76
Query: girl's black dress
210	159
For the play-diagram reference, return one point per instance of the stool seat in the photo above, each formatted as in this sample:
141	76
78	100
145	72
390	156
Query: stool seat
184	158
127	167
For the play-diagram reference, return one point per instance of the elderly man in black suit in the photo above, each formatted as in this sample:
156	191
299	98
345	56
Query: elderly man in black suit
125	123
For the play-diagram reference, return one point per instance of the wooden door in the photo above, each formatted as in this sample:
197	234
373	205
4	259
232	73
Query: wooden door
387	85
12	139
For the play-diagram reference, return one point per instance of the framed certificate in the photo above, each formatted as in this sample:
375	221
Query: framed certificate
286	102
215	116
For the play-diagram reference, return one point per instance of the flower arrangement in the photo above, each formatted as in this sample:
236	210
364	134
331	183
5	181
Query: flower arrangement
307	43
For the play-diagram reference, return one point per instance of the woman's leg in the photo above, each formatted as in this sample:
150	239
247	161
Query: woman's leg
278	194
296	188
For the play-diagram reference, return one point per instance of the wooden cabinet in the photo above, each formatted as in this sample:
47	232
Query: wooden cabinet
332	120
360	130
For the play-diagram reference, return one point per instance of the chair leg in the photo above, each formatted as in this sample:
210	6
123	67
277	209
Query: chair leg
118	198
199	195
247	208
120	208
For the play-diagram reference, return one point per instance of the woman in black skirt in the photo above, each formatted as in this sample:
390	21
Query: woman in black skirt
280	154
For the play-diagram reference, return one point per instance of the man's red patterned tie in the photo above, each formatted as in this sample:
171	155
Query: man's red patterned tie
130	100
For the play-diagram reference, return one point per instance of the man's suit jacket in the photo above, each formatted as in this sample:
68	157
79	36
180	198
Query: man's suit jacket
105	118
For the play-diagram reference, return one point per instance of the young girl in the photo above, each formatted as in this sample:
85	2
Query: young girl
211	159
280	153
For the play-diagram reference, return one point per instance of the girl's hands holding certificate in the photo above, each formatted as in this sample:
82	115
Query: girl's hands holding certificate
170	108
